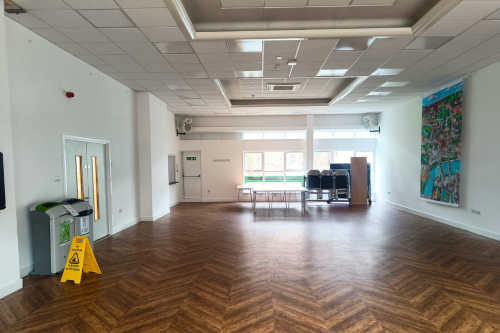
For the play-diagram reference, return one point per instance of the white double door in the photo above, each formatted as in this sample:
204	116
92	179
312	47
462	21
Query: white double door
86	180
191	175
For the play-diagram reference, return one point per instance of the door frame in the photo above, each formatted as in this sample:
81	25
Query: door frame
109	192
201	175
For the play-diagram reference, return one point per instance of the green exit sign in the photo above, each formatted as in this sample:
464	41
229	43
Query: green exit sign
191	158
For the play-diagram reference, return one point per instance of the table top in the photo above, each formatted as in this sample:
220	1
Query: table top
279	188
244	187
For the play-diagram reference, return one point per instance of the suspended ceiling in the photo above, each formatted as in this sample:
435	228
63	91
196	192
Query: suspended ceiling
139	43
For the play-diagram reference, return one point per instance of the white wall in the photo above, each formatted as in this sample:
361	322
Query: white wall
340	121
398	158
154	148
221	178
173	144
9	254
39	75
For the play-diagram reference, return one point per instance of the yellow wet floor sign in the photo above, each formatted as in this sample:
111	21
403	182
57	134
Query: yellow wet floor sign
80	259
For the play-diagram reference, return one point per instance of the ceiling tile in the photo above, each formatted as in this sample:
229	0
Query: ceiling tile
42	4
138	48
87	35
304	73
90	59
352	44
471	11
462	43
307	66
281	46
182	58
337	56
378	54
285	3
151	17
139	76
484	29
107	18
218	67
199	82
52	35
133	68
102	48
118	59
494	16
140	3
28	20
318	45
245	45
62	18
394	84
158	68
188	67
108	69
174	47
167	76
117	76
143	59
448	28
194	75
165	34
372	64
399	63
359	72
209	47
241	3
211	58
492	44
329	2
338	65
398	43
272	56
246	57
222	75
91	4
421	43
412	54
311	55
73	48
124	35
244	66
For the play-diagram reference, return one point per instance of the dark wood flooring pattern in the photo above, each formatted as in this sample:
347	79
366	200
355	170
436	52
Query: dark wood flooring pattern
219	268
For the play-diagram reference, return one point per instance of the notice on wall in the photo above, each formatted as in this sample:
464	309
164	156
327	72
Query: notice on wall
64	233
441	145
84	226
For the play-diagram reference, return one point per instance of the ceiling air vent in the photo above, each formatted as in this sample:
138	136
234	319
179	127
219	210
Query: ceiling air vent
283	87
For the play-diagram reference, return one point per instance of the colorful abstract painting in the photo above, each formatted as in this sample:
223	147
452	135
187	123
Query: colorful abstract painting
441	145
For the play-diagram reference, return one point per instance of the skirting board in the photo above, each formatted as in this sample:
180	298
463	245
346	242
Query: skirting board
26	270
10	288
172	204
156	217
219	200
458	225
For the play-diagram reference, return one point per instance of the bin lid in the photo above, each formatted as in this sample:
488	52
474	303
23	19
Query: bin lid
81	206
45	206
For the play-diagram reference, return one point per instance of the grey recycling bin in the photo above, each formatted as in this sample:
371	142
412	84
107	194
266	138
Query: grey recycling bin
53	231
84	222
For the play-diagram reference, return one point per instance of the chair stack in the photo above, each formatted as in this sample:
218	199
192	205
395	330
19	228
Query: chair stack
332	183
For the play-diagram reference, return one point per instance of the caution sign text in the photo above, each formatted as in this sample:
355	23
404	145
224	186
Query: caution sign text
80	259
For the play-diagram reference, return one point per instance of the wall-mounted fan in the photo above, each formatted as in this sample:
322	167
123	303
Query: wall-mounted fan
186	126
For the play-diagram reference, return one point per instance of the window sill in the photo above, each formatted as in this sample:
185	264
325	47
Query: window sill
173	183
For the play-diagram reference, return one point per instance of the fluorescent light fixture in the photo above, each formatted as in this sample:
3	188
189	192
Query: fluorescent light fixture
387	71
379	93
394	84
332	72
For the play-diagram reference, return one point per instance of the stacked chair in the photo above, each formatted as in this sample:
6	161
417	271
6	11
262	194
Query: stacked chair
334	184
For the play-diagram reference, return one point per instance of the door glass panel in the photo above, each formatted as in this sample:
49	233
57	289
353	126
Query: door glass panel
95	180
79	177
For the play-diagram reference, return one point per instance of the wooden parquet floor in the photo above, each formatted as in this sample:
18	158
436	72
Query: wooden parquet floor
217	267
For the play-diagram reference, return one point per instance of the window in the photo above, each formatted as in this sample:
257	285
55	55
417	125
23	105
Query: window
322	160
79	177
171	169
323	135
95	181
285	168
353	134
342	156
343	135
274	136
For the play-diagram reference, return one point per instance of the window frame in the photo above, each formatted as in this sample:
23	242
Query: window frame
333	132
271	132
263	171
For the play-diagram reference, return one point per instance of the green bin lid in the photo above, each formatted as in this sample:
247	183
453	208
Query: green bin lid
45	206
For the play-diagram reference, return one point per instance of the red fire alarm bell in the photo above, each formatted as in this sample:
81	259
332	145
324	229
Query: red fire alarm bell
70	95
